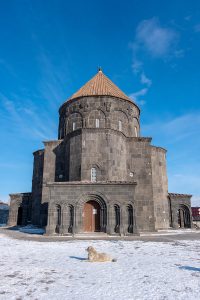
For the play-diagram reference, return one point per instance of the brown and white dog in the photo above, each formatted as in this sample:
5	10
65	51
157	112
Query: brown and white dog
94	256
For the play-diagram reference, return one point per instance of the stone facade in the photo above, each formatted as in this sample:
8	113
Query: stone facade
99	157
20	209
180	210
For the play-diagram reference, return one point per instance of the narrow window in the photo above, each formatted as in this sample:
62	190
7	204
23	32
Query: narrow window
136	132
58	219
97	123
71	219
120	125
117	218
130	218
93	175
74	126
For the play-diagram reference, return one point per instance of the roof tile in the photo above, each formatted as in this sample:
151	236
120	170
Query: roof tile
100	85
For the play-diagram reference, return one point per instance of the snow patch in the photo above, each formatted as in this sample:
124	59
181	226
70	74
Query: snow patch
59	270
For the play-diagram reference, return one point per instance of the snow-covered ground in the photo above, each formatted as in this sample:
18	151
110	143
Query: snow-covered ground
58	270
170	232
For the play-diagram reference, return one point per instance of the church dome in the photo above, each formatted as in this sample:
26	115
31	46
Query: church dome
100	85
99	104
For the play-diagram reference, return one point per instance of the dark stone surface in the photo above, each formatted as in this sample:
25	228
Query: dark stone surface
129	171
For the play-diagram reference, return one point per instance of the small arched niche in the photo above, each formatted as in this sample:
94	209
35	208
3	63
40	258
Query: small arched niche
74	122
119	121
96	119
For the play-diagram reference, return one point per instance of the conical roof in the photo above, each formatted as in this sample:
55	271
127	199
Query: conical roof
100	85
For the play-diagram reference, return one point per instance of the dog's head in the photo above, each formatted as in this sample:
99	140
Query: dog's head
90	249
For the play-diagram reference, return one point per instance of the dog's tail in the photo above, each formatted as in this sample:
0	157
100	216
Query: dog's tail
114	260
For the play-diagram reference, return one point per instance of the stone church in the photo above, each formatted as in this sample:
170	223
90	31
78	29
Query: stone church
100	175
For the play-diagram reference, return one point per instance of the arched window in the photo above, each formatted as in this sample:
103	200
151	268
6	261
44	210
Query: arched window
117	218
93	175
58	218
120	125
184	217
97	123
71	218
73	126
136	131
130	218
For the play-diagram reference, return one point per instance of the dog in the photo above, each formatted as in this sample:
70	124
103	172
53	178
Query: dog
94	256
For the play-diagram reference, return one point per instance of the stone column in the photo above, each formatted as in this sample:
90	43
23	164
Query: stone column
65	220
13	213
124	221
50	228
110	218
78	220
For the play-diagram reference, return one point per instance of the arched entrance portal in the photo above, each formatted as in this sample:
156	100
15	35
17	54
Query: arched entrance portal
19	216
184	220
91	216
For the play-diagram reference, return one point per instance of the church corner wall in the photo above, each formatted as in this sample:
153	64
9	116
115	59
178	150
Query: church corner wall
37	179
160	187
139	164
52	154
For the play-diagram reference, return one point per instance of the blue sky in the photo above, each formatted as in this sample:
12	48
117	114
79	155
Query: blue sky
150	49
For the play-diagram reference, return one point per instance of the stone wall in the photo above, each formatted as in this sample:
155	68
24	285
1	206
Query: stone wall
160	187
106	151
116	158
20	209
176	202
77	193
84	111
37	181
139	166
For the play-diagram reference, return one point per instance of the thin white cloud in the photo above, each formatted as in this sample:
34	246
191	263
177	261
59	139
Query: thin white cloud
197	28
176	129
157	40
135	96
52	85
141	92
137	66
179	53
26	120
188	18
145	80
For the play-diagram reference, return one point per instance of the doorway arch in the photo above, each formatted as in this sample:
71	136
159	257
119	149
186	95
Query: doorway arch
184	219
91	216
19	216
94	203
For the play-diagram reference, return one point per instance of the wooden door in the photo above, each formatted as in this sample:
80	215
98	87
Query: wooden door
91	216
